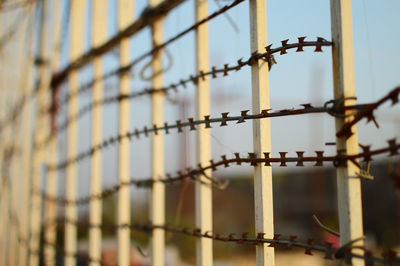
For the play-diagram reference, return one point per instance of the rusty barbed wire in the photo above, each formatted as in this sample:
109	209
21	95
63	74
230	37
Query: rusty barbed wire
123	69
23	240
389	257
225	70
57	78
330	108
319	159
392	96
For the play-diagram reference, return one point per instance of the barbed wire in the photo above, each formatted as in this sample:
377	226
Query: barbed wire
23	240
191	124
338	160
225	70
143	21
393	96
333	107
147	12
389	257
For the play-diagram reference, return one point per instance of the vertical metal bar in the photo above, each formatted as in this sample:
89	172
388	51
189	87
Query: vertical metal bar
41	130
125	16
157	207
13	190
50	231
26	152
99	24
203	190
7	223
264	214
20	181
77	23
349	189
4	219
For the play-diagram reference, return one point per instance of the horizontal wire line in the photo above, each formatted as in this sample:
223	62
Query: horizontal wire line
146	131
252	159
330	252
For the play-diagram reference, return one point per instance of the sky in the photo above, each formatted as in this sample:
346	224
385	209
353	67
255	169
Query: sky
296	78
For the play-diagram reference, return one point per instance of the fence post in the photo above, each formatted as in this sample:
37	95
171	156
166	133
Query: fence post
50	231
99	24
157	209
203	190
349	187
21	180
40	134
264	214
4	220
77	22
125	16
26	144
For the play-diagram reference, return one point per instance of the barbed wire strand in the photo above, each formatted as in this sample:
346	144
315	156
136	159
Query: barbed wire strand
223	121
393	96
319	159
193	79
389	257
179	125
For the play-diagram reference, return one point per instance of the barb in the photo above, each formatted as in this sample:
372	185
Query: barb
388	258
192	173
192	124
214	72
393	96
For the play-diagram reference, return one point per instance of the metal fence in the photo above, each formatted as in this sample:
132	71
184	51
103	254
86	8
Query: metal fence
34	153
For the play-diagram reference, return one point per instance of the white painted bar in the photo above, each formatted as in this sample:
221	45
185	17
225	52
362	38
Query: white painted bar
50	231
26	146
157	201
263	200
99	34
16	181
203	192
125	16
4	220
77	33
41	131
349	189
